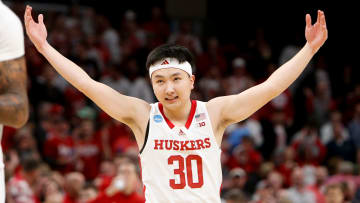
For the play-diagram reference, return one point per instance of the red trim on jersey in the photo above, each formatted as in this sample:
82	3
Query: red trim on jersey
191	115
189	120
170	124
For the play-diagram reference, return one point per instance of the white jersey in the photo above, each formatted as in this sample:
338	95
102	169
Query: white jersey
11	47
11	35
181	164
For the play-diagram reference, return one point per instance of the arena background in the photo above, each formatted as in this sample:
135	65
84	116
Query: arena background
241	31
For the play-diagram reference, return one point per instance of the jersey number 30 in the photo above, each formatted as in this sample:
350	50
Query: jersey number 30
187	171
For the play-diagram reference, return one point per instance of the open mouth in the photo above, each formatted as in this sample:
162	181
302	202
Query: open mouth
171	99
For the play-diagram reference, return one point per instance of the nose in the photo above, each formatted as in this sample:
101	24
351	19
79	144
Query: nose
169	90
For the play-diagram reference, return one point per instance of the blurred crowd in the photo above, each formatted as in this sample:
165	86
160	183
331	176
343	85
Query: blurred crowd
303	146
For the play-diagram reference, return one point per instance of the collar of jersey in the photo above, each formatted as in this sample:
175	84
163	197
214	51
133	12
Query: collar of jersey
189	120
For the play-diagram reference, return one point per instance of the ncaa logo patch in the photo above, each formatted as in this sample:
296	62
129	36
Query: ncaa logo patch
158	119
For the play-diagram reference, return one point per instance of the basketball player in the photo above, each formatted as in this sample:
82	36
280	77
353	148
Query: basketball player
13	97
179	138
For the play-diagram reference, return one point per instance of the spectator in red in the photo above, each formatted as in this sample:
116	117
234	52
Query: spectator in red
19	187
157	28
245	156
59	147
74	183
123	187
116	137
212	57
210	84
110	41
283	102
187	38
240	79
285	163
318	188
88	193
75	100
106	174
133	37
88	149
308	146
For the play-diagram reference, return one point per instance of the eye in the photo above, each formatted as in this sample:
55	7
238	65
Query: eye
177	78
159	81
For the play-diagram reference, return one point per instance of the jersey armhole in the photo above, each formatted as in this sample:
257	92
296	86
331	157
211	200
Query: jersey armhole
146	136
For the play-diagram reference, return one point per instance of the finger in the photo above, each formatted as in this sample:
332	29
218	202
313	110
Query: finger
28	13
308	21
26	9
28	16
322	20
318	16
41	19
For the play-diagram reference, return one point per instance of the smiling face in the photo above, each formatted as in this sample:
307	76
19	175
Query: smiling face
172	87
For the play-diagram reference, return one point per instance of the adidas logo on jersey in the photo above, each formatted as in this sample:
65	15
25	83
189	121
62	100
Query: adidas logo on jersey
181	133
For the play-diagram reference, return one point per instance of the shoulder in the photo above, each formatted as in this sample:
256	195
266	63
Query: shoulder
8	19
11	35
216	104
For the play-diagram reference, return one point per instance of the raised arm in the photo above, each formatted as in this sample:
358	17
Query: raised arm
238	107
128	110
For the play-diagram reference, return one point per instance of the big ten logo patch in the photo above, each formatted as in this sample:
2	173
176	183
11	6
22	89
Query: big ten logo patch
201	124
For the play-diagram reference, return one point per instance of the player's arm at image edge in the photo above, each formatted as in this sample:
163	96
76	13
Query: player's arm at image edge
14	109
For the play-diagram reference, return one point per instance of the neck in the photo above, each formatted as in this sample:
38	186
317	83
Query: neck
179	114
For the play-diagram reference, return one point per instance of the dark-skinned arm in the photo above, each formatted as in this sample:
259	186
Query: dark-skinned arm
14	107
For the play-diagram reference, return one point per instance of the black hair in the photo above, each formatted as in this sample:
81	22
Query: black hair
181	53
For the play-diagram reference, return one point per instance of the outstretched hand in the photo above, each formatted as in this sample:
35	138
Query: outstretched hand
36	31
316	34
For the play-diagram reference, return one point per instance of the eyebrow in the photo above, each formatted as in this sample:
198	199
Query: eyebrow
161	76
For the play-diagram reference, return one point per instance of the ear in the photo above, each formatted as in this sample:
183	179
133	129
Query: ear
192	79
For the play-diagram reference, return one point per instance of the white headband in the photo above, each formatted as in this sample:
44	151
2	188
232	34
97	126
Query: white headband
171	63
